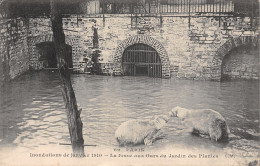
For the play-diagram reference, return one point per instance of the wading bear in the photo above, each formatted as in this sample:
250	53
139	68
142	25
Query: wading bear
204	121
134	132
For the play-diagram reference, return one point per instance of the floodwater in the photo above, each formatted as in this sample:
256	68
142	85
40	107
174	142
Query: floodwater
32	110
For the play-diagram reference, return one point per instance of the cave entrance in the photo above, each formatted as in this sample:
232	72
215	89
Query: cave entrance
241	63
48	54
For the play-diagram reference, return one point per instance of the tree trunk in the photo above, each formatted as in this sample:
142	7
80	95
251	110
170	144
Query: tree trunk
62	54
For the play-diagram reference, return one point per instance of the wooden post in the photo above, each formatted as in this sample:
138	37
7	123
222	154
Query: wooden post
252	14
62	53
77	20
131	11
189	14
219	17
103	13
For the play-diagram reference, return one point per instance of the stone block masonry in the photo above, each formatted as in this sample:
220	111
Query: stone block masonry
39	30
17	45
186	52
14	57
194	52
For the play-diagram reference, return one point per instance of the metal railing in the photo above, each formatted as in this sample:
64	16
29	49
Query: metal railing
235	7
159	6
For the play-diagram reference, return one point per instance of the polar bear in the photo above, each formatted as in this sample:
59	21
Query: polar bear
134	132
204	121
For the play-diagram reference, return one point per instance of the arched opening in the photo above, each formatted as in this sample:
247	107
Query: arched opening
48	54
141	60
241	63
147	40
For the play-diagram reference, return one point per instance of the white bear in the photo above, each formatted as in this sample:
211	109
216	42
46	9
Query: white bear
134	132
204	121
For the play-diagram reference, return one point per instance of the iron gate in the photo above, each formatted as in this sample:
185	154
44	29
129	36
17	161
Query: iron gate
141	60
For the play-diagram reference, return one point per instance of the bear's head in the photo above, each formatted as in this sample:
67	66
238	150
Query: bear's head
160	121
179	112
174	112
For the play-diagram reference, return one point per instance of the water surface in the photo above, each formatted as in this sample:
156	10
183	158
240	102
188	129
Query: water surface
32	110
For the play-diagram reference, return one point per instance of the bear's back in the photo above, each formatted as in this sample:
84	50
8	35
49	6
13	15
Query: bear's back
133	131
206	114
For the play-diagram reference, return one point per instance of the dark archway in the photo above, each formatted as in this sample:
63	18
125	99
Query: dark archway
241	63
224	50
48	54
141	60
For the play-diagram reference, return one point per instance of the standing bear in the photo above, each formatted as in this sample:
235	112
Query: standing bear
204	121
134	132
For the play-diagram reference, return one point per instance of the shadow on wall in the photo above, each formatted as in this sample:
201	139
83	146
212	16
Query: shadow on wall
241	63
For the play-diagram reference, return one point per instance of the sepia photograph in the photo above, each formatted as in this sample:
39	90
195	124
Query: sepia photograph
129	83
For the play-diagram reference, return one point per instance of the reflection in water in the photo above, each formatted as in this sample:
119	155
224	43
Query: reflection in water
32	110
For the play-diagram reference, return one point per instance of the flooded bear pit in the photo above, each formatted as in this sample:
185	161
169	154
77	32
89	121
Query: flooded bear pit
33	115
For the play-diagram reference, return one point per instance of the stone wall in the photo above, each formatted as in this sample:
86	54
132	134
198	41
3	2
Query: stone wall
14	55
18	39
39	31
188	51
192	51
211	42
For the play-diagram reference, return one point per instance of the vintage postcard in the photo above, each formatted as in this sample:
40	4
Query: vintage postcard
129	82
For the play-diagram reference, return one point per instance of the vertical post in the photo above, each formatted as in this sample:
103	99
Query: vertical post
173	6
178	5
157	4
181	6
131	9
189	14
223	6
207	6
219	17
170	5
213	6
95	7
194	6
200	6
149	3
252	14
204	7
77	20
160	11
73	113
227	6
103	14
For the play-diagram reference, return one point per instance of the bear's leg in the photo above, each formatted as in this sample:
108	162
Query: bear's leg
120	142
195	132
149	139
